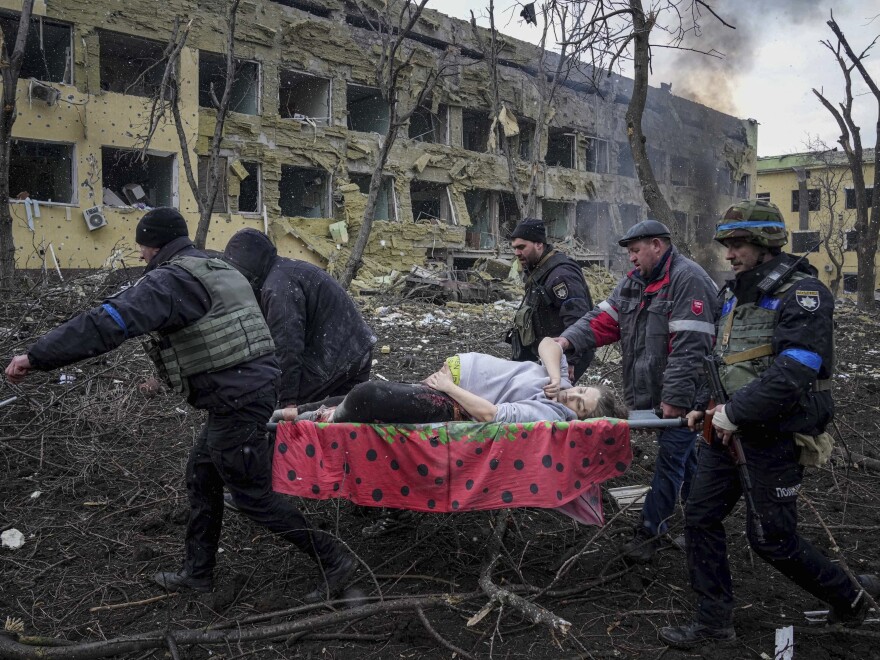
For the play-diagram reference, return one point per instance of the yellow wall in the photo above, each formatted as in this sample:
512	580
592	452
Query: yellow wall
781	183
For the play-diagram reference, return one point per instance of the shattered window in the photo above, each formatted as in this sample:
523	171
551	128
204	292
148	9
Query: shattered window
426	126
475	129
245	93
43	171
850	283
129	180
560	148
597	155
508	214
130	65
479	206
430	202
303	192
301	95
558	217
386	208
764	196
304	5
220	200
367	110
47	52
591	220
852	241
744	186
249	189
525	139
814	198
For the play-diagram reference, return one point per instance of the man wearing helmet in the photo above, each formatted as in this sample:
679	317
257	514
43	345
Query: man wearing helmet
663	314
775	348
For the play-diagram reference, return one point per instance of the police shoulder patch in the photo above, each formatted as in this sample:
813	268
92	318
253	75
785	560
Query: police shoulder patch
809	300
561	290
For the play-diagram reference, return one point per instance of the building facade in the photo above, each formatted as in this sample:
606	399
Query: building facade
815	193
305	128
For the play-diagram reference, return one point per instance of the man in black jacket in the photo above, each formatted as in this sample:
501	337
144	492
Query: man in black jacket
210	343
321	340
776	350
556	295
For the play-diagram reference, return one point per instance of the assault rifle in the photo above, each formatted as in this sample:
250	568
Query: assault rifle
719	397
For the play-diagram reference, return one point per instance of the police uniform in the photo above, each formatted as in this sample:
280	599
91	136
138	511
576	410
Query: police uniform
210	343
556	296
775	351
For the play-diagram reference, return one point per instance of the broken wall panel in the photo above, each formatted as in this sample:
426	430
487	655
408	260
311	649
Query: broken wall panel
249	189
221	200
386	208
304	192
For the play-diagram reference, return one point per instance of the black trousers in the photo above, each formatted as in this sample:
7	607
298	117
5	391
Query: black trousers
359	372
383	401
234	450
776	479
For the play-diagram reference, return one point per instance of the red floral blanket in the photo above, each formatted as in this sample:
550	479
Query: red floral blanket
455	466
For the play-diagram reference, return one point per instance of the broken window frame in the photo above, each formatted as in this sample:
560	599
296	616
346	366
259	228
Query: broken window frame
569	136
814	200
218	60
439	121
602	156
744	187
221	200
476	199
626	162
592	220
804	241
148	78
36	44
325	195
475	118
324	120
764	196
257	176
446	209
850	240
850	283
389	189
568	219
524	147
73	198
384	121
169	158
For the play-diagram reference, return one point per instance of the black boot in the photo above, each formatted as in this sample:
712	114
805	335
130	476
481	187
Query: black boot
642	548
337	572
854	616
173	581
694	634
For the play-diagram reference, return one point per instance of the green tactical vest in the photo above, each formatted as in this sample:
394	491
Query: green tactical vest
233	331
744	340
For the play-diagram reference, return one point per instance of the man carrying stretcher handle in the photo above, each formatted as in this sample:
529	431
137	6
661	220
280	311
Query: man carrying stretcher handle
663	314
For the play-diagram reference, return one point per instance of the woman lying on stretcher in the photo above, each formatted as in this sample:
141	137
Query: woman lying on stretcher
471	387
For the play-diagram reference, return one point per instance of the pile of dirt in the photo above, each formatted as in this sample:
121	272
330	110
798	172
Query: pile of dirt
93	477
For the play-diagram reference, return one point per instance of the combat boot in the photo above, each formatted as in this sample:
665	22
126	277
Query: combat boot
854	616
694	634
337	572
642	548
175	580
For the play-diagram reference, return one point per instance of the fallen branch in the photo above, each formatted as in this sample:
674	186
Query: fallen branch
11	646
134	603
439	638
534	612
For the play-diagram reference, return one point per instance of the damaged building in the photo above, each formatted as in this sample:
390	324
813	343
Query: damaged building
305	125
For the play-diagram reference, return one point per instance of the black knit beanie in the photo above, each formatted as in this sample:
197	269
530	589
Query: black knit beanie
160	226
531	229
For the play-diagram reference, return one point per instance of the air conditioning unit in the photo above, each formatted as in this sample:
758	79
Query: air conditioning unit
827	268
94	218
46	93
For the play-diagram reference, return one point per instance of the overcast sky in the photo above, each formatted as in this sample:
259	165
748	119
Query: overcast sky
772	61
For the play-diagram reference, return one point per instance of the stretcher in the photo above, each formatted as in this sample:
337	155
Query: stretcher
457	466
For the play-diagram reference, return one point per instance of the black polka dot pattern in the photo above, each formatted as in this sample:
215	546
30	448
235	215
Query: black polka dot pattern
372	455
547	460
422	470
377	495
507	497
310	451
518	464
291	475
282	448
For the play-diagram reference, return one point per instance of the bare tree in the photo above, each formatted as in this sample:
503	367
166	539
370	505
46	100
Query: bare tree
552	71
402	94
829	177
867	225
167	100
10	63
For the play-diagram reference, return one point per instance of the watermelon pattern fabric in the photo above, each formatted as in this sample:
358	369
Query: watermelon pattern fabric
458	466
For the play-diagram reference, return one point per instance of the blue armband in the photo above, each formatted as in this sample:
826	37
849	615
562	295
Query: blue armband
809	359
116	316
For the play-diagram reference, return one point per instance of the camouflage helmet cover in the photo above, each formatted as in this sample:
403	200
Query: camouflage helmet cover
755	221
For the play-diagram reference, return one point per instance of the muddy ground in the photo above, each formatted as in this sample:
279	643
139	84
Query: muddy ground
92	475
